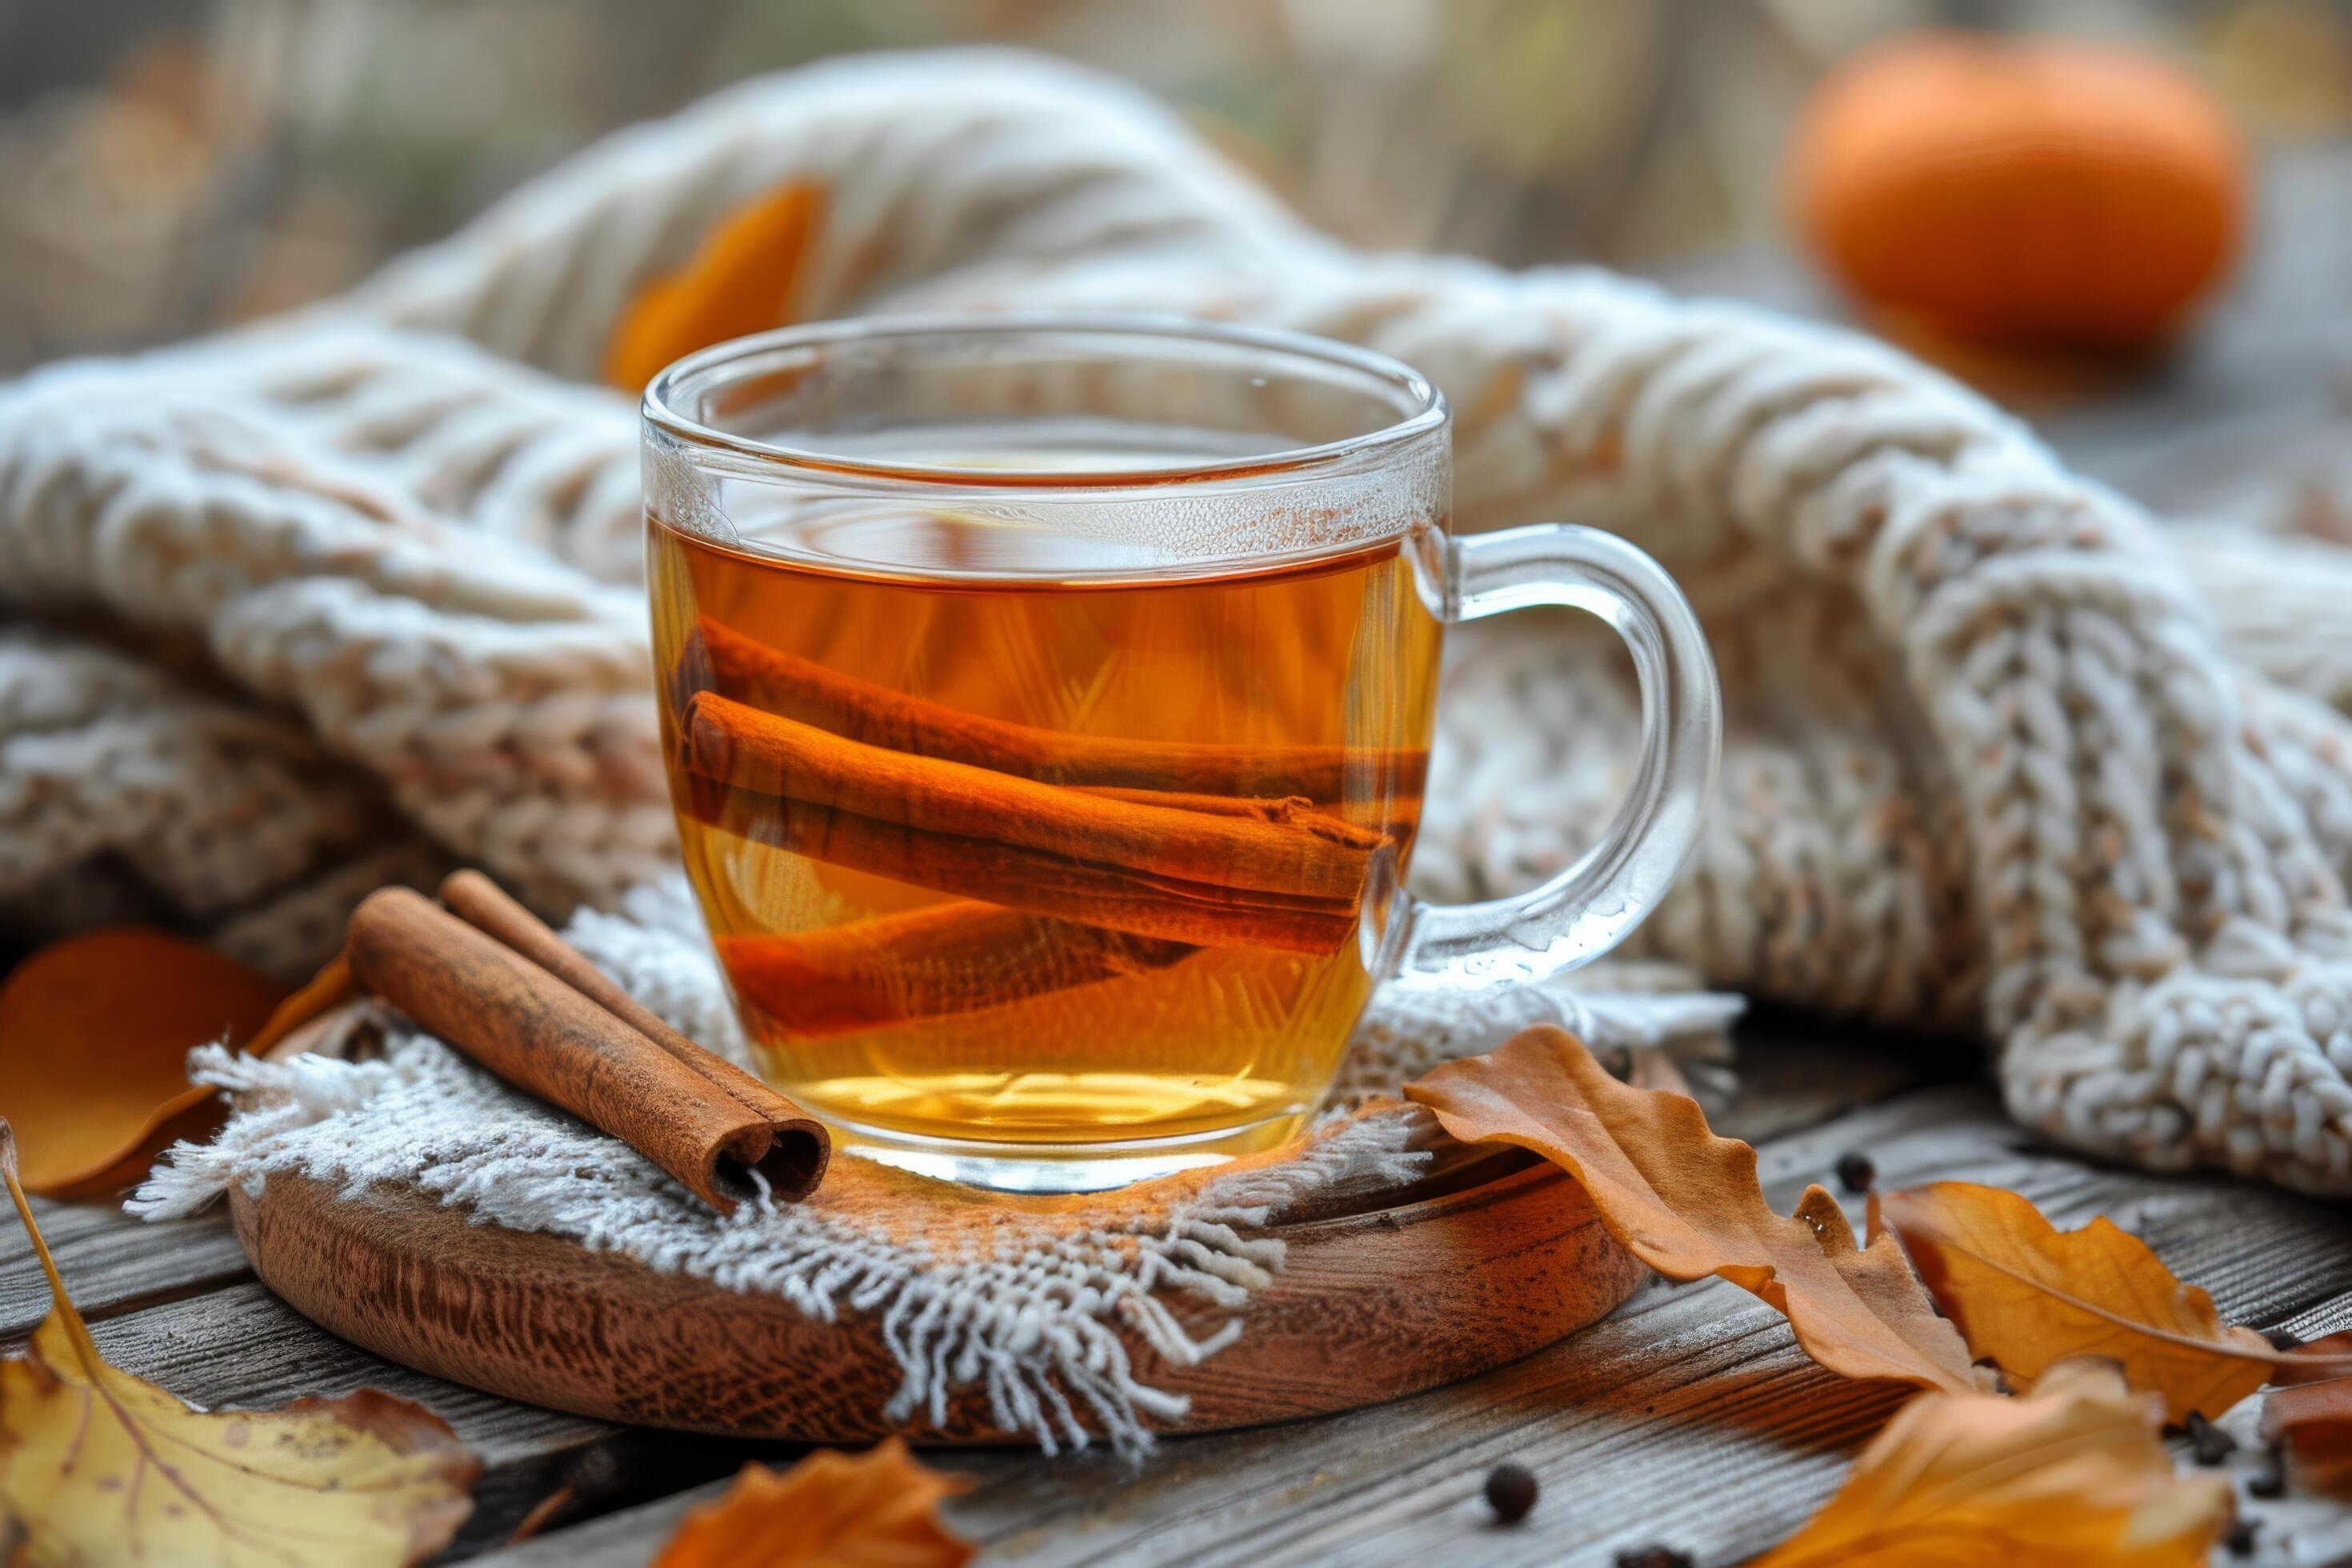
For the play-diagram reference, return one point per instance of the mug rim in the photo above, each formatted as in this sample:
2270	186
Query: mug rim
1428	413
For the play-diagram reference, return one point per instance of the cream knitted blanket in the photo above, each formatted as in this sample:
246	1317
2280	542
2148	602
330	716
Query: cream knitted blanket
333	600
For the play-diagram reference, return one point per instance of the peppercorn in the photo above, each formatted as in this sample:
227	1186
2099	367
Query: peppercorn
2240	1539
2283	1338
2270	1481
1854	1171
2207	1443
1510	1492
1653	1557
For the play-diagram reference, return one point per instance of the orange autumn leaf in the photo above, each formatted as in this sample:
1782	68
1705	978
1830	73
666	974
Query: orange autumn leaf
1688	1204
95	1032
96	1466
2027	1295
2314	1418
744	278
2073	1475
874	1509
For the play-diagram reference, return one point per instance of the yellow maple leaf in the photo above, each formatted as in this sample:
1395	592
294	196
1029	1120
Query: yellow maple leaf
2073	1475
96	1466
2027	1295
1688	1204
874	1509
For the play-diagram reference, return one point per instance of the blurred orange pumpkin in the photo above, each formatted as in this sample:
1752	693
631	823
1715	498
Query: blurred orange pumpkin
2027	192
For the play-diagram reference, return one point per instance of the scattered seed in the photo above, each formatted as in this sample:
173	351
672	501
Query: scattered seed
1855	1172
2209	1443
2240	1539
1510	1492
1653	1557
2270	1481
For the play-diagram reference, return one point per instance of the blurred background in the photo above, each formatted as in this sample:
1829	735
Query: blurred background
169	165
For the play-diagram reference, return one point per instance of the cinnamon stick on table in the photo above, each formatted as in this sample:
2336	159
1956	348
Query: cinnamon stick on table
544	1037
484	905
1264	873
751	672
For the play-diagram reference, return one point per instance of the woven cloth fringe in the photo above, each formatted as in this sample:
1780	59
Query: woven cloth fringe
1029	1314
2003	756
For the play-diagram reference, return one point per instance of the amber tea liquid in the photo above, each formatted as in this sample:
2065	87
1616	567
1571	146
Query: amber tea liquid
1065	864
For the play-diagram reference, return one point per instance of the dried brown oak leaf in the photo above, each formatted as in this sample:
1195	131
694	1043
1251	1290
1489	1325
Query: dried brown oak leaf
2073	1475
2313	1416
96	1466
874	1509
2027	1295
1688	1204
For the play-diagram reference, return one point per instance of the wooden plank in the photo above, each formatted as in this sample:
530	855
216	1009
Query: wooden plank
190	1317
242	1347
112	1263
1794	1071
175	1302
1689	1418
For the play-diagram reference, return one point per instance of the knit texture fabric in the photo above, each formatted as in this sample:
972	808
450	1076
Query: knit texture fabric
1995	760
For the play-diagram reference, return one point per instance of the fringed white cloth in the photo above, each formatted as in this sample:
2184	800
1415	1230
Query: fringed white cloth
1996	759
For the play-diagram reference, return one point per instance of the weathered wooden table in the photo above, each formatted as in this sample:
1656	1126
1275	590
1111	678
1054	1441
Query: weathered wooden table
1688	1419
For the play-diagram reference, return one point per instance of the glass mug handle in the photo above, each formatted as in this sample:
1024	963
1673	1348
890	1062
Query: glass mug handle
1595	903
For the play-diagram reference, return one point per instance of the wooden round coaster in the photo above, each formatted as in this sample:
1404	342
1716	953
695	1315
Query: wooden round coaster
1492	1256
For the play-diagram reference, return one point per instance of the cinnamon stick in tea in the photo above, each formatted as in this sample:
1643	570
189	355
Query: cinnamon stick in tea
929	962
1271	874
540	1035
803	1145
750	671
